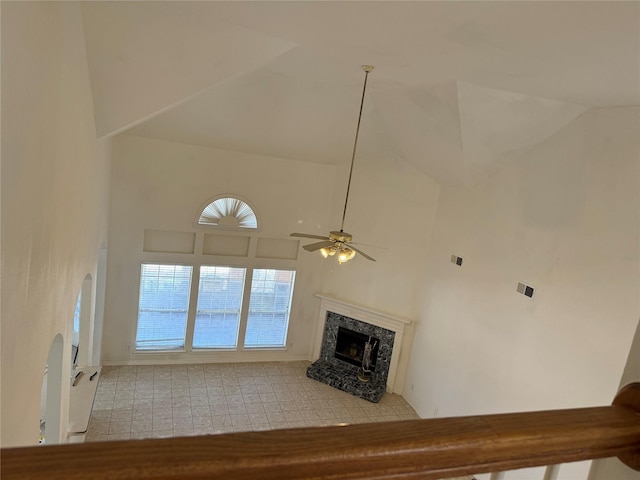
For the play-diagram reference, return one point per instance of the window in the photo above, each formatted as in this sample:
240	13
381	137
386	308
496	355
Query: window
220	314
219	307
163	306
76	321
229	212
269	306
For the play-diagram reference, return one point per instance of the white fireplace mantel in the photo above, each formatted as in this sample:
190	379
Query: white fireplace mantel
365	314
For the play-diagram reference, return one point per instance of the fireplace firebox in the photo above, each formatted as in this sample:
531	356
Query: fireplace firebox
350	347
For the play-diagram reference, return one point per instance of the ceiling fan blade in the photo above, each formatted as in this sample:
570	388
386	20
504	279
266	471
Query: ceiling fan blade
362	253
368	245
307	235
317	246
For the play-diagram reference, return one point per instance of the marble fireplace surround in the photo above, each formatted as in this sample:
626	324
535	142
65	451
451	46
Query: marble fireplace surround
364	314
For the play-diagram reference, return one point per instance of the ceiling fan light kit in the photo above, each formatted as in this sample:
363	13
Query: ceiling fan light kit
339	241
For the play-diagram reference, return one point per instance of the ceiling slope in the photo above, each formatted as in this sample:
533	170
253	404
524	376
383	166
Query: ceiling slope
457	85
145	57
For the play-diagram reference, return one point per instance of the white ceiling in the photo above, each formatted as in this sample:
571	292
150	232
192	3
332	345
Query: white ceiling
457	85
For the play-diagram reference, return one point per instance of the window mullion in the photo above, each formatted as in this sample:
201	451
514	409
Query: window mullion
191	314
244	314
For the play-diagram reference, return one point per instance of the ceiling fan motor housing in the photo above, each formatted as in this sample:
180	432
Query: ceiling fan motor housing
340	236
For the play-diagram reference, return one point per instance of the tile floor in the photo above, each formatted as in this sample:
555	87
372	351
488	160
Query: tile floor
177	400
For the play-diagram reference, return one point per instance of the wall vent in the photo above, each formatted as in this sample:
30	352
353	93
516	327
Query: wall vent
456	260
526	290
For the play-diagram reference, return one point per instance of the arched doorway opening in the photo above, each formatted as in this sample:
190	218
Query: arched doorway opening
51	394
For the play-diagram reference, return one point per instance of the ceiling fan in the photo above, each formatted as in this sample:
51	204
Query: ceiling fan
339	242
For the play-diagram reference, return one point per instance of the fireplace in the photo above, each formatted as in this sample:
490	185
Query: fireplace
342	332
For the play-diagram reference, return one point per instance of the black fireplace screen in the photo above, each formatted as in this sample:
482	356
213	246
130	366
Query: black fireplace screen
350	347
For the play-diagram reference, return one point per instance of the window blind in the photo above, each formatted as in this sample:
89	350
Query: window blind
219	306
163	306
269	307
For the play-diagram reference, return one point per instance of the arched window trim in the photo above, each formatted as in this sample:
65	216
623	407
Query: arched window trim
237	207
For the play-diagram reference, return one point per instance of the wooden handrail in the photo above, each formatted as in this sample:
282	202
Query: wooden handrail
425	449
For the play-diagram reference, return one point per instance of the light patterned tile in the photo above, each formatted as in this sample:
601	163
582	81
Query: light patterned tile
162	424
142	425
260	427
181	412
232	390
276	417
100	416
249	389
264	389
202	410
180	392
213	381
245	381
98	428
124	394
159	413
252	398
221	420
142	413
121	415
240	419
268	397
254	407
197	391
197	382
162	403
258	418
216	390
200	401
162	384
182	422
181	402
202	421
310	415
234	399
293	416
219	398
121	404
143	394
242	428
235	408
221	409
272	407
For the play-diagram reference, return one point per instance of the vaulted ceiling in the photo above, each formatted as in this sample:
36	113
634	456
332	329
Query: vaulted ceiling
457	85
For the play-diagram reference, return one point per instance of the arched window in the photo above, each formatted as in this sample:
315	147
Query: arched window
230	212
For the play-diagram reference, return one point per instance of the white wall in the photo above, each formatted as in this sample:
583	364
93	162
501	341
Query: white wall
564	217
161	186
54	200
